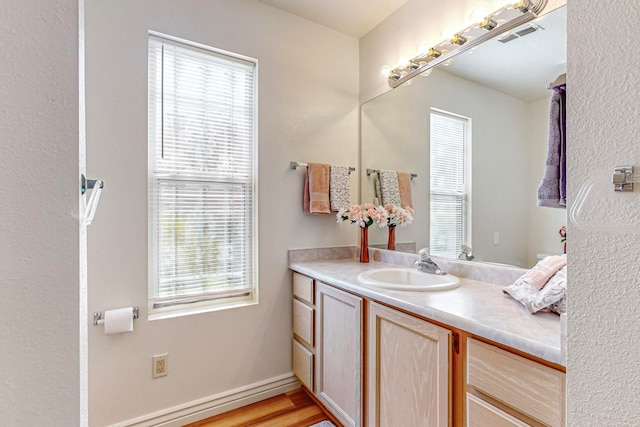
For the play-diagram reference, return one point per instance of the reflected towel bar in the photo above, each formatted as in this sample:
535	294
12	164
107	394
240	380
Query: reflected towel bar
370	171
560	80
294	165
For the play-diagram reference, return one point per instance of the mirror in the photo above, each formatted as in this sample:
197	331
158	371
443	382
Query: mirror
500	88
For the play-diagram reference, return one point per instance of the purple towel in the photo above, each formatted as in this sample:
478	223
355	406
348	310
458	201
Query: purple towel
553	188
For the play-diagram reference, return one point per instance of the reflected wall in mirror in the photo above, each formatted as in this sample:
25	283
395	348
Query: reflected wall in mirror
501	89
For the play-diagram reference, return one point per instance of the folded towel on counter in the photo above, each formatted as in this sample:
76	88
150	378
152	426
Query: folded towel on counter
550	298
389	188
404	186
540	274
316	189
339	187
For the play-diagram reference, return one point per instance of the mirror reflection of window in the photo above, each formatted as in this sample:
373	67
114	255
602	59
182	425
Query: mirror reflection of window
450	189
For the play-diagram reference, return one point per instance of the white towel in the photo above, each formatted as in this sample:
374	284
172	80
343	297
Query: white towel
339	187
389	188
550	298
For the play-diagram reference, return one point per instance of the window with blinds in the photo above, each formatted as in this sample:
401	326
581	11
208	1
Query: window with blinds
450	226
202	177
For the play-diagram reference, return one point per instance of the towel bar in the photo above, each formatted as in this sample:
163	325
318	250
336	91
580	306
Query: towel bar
294	165
370	171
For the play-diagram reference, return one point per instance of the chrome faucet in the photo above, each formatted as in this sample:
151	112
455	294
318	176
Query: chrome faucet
465	253
426	264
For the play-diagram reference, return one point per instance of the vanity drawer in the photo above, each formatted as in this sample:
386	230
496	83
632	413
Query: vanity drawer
303	322
483	414
303	364
303	288
522	384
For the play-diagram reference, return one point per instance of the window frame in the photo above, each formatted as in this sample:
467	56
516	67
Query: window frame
158	307
466	238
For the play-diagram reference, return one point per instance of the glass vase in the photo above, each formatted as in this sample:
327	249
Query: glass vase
364	244
391	243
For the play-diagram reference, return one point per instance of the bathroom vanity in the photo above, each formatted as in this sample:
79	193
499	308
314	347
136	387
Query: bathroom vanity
470	356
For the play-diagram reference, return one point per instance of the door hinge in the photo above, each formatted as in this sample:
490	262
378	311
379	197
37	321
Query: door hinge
456	342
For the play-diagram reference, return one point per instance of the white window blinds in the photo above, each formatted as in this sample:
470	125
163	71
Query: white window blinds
202	176
450	185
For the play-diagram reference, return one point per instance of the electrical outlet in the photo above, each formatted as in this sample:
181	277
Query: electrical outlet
496	239
159	366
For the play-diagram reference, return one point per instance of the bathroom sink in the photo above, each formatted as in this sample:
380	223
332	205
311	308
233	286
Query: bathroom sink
407	279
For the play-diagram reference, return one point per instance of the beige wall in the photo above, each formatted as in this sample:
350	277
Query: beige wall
40	366
307	112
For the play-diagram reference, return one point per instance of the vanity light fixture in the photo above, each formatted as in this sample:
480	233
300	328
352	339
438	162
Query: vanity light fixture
459	40
488	24
434	53
494	24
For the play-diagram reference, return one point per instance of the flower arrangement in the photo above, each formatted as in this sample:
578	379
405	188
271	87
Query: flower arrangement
563	237
364	216
398	216
563	234
385	216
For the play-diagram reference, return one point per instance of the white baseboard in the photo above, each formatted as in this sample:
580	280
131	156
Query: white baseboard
200	409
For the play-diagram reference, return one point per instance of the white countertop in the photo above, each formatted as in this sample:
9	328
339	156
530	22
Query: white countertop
476	307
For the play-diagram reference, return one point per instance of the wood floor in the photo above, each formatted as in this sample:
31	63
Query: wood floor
293	409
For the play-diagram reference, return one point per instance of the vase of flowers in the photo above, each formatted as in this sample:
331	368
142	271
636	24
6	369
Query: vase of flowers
364	244
396	216
391	241
563	237
363	216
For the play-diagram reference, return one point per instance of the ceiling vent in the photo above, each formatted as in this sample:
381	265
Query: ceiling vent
531	28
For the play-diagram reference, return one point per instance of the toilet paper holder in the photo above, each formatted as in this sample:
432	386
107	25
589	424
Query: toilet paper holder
97	315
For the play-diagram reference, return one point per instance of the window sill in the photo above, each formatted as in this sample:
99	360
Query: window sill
205	307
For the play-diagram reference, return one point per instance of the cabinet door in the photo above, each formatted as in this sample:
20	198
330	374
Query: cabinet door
482	414
530	388
408	378
339	353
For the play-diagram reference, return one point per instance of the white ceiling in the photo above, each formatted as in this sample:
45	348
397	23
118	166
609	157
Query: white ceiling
353	17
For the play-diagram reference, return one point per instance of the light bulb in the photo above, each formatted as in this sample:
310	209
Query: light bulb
402	62
447	62
427	73
478	15
407	83
385	70
423	49
448	32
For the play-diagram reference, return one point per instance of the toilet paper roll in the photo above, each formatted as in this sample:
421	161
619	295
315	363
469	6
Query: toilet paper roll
118	321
